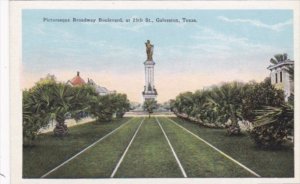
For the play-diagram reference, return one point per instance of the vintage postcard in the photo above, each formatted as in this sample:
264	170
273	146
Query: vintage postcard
172	92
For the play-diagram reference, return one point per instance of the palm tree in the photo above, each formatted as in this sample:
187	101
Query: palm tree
227	99
34	117
63	99
184	103
273	125
37	109
52	101
269	115
279	58
202	108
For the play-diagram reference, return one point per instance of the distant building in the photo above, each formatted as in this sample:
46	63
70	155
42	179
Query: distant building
76	81
280	77
100	89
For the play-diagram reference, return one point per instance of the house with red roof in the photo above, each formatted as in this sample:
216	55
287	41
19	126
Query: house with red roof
76	81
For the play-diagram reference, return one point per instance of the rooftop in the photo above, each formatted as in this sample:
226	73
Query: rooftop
77	80
280	64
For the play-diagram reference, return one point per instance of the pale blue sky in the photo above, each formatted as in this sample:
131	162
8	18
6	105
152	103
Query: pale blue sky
223	45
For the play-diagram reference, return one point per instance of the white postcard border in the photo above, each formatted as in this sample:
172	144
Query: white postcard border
16	8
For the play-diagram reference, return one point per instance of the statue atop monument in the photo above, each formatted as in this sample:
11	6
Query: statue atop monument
149	50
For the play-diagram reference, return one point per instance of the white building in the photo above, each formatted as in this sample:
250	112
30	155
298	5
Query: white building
280	77
100	89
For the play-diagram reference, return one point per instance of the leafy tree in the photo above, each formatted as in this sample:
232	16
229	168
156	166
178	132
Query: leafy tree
149	106
227	99
103	107
274	122
37	106
48	101
273	125
172	105
61	103
184	103
203	109
65	99
48	79
34	118
258	95
122	104
83	95
260	103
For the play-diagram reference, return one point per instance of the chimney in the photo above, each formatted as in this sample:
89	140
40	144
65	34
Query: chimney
77	73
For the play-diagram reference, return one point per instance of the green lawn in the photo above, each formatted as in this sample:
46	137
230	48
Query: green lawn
267	163
150	155
197	158
50	151
100	160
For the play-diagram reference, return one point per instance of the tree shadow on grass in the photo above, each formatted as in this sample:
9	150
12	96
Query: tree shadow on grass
283	148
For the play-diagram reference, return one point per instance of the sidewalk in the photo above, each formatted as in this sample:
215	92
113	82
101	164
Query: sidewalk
143	114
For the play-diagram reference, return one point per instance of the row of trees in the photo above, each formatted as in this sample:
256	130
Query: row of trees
226	105
260	104
50	101
231	101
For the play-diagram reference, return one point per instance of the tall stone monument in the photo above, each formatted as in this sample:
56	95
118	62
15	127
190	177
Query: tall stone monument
149	88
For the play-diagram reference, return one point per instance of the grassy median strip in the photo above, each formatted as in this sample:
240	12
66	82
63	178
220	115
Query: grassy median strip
127	148
149	155
268	163
172	149
199	159
50	151
100	160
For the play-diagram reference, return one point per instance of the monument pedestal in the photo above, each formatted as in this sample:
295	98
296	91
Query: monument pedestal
149	88
148	95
